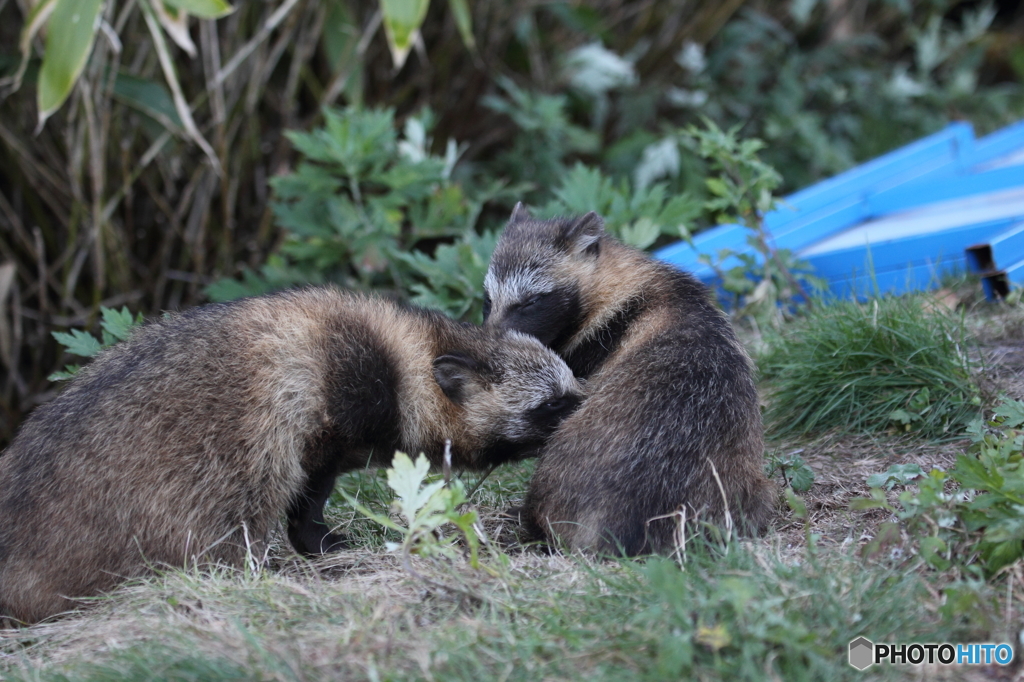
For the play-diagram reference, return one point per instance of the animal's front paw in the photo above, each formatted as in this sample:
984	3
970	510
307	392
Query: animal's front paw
513	514
332	542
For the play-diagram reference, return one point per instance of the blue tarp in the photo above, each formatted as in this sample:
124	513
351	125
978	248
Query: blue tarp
948	202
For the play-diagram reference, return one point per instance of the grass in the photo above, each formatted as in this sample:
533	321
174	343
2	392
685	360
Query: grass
745	613
886	365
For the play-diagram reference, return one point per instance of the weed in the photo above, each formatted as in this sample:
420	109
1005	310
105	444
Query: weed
794	471
360	197
116	326
426	506
765	285
969	516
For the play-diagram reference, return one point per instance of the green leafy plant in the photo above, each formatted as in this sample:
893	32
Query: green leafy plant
359	205
824	99
892	364
116	325
638	216
545	138
795	472
897	474
425	506
451	280
764	285
971	516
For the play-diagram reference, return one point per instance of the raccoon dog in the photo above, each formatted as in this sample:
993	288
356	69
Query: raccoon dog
186	442
671	425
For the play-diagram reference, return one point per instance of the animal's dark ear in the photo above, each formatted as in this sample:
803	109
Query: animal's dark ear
519	214
459	376
584	234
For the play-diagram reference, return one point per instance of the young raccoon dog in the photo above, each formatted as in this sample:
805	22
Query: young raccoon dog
187	441
671	422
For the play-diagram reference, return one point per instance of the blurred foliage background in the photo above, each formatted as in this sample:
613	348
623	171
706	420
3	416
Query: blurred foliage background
169	176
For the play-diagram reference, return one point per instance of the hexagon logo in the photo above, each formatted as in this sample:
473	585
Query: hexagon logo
862	653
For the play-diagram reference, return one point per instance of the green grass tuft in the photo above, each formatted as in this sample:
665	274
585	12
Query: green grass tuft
885	365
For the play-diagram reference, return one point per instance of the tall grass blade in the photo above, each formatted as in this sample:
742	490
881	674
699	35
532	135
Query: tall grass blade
180	104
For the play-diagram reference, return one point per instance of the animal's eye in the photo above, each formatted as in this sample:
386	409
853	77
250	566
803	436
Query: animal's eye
487	306
555	405
530	301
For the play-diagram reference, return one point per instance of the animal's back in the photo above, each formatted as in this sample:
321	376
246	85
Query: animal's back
675	398
164	446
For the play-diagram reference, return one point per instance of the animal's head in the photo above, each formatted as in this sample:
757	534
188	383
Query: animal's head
513	395
539	275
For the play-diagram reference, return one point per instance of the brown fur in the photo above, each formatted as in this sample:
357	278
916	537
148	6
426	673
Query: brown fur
187	442
671	398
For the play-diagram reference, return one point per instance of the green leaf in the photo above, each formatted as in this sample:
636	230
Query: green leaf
72	28
717	187
69	373
897	474
641	234
585	189
801	477
204	9
972	473
119	324
402	21
149	97
1012	413
405	478
35	20
79	343
930	547
464	20
877	500
904	417
373	516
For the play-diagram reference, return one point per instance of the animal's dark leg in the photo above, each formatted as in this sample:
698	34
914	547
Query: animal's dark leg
307	530
529	529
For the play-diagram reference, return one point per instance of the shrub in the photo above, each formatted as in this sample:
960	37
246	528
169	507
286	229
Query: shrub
367	209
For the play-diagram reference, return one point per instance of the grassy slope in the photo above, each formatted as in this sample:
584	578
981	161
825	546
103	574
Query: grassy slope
764	609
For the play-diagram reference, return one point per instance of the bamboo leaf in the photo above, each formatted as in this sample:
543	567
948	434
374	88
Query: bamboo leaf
167	65
72	28
36	18
175	22
464	20
151	98
402	21
204	9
